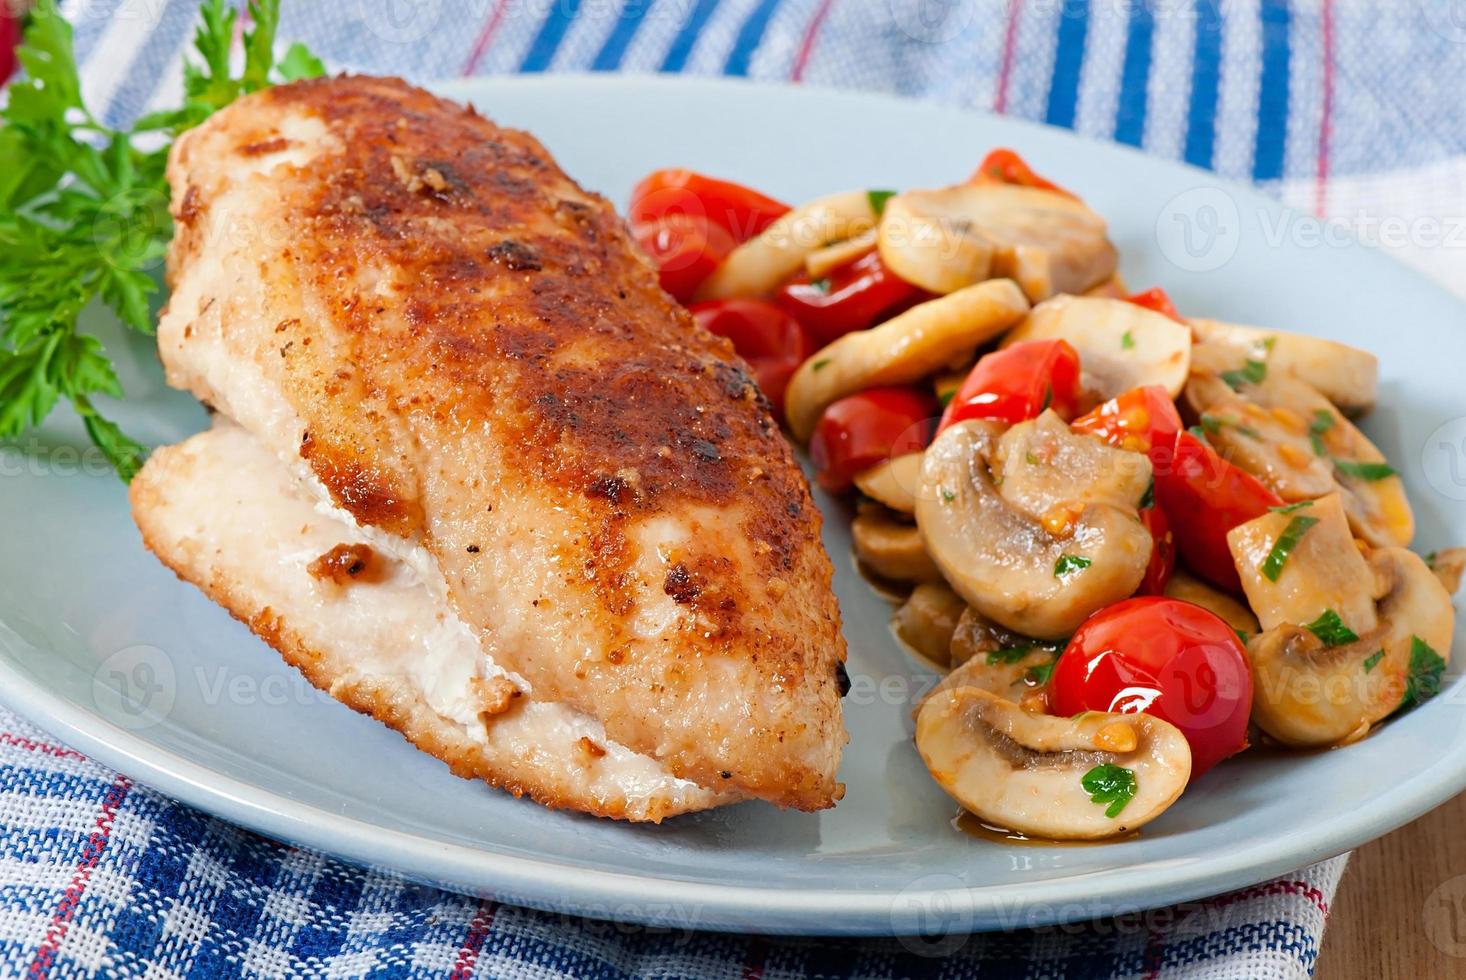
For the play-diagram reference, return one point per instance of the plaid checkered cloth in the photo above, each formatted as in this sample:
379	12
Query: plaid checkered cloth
1347	110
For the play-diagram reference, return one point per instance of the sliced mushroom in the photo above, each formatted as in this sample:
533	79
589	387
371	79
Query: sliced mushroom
943	240
1307	693
1015	673
906	348
1448	565
1286	433
928	618
1121	345
893	483
1025	772
831	257
1187	588
1347	376
1036	573
1295	566
890	549
761	264
976	635
1112	288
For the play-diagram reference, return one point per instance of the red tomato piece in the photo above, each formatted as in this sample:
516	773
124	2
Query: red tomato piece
1018	383
740	211
9	38
769	339
857	432
685	250
852	297
1162	552
1167	658
1003	166
1142	420
1156	299
1204	496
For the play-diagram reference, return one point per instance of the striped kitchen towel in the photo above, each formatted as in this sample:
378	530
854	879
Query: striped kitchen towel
1348	110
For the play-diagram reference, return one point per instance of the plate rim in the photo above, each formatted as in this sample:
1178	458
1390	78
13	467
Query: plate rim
564	887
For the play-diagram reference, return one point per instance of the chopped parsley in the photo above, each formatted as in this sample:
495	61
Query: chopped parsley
1212	424
821	285
1030	459
1364	471
1147	499
948	495
1372	661
817	365
878	200
946	397
1070	563
1423	679
1199	433
1127	341
1323	421
1048	399
1039	674
1290	508
1283	547
1329	628
1251	372
1241	635
1007	655
1112	784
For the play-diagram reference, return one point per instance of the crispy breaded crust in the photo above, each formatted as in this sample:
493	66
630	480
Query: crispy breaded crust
310	624
469	352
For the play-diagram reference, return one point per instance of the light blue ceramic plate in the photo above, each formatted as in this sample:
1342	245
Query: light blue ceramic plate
87	616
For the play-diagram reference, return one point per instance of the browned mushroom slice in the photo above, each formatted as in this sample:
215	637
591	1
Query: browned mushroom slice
1188	588
928	618
1041	553
1448	565
891	549
943	240
893	482
1347	376
1093	776
1320	684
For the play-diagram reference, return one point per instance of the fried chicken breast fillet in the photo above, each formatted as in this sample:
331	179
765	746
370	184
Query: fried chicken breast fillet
425	322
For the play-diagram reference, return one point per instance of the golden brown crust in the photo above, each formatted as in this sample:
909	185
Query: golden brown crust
479	359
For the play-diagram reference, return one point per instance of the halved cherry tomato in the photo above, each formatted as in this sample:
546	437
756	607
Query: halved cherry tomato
769	339
1167	658
740	211
1003	166
1162	552
1142	420
1156	299
1018	383
857	432
1204	497
854	296
685	250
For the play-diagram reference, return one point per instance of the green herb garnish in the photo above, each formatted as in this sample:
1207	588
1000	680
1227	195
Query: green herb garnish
1423	678
878	200
1039	674
1127	341
1329	628
1030	459
819	364
1283	547
1371	472
1251	372
1290	508
1147	499
1323	421
1212	424
1112	784
1372	661
821	285
1007	655
84	212
948	495
1048	399
1070	563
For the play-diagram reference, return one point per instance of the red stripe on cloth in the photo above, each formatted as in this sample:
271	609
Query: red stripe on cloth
811	34
473	943
753	960
1326	121
1267	889
1010	45
31	745
485	37
91	854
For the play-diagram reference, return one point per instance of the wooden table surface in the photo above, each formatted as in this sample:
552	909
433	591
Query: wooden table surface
1400	911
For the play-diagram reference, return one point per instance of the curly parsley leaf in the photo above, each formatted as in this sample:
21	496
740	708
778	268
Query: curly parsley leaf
84	212
1112	784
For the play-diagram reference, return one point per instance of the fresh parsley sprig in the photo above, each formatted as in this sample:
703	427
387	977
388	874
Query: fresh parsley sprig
84	211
